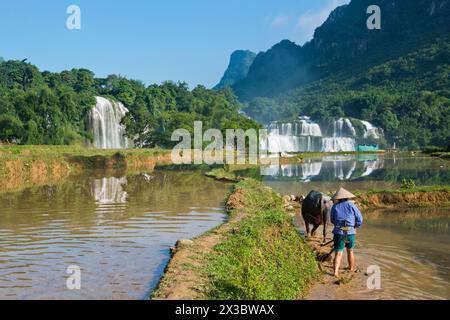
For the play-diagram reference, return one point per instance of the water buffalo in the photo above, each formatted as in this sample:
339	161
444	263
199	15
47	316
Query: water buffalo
316	209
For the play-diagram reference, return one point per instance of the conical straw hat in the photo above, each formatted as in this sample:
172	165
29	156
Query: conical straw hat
343	194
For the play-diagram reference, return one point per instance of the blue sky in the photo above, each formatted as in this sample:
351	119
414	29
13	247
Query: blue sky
153	40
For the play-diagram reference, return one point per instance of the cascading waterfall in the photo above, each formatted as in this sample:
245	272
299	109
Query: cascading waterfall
104	121
304	135
301	136
338	144
372	131
309	128
343	138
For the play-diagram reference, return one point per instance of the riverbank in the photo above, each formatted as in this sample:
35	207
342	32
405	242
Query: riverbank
28	166
256	254
442	155
414	197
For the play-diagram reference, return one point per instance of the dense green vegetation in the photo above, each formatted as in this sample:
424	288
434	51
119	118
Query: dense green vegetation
52	108
409	97
264	257
398	77
41	107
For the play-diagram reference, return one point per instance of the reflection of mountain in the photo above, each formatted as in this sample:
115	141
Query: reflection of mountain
109	190
328	168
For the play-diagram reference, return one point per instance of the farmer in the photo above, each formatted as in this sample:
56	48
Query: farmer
346	218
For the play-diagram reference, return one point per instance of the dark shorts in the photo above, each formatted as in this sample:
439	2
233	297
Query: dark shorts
344	241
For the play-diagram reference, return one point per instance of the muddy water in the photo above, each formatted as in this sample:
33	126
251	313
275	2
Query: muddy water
412	248
118	230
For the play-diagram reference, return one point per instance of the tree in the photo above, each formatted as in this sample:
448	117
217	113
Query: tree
33	135
11	128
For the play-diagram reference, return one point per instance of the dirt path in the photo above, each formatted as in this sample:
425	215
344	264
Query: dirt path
350	286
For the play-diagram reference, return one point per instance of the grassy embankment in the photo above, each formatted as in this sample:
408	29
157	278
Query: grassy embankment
408	195
257	254
23	166
443	155
437	152
427	196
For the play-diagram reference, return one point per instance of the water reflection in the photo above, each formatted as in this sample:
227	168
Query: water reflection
303	172
359	172
109	190
335	167
117	229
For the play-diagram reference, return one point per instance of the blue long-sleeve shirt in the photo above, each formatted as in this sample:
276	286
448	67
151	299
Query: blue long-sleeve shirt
345	214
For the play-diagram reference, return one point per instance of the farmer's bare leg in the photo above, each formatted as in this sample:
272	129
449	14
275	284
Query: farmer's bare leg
337	263
351	259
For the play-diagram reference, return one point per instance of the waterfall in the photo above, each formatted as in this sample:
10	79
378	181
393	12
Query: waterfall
104	120
343	126
305	135
309	128
337	144
300	136
372	131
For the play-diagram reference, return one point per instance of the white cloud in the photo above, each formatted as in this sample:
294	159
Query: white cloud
279	21
309	21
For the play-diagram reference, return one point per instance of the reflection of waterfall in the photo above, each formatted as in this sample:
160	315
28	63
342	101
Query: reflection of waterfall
337	167
105	125
304	135
343	171
304	171
109	190
370	166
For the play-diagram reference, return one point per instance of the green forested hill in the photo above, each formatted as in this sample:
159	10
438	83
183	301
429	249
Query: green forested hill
397	77
52	108
409	97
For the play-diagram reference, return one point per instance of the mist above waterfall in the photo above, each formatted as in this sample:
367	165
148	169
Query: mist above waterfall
105	124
